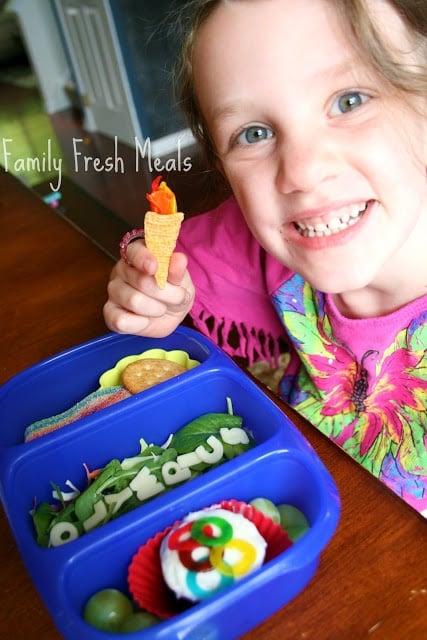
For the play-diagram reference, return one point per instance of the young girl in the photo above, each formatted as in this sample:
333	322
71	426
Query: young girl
316	114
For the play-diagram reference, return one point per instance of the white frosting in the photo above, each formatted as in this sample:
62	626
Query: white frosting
218	554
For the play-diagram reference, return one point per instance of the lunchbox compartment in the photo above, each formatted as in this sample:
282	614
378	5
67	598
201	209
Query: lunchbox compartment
283	477
57	383
116	434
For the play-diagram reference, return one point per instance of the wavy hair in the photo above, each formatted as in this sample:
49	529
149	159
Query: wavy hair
364	34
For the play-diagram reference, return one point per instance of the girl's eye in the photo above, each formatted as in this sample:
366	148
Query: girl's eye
348	102
255	133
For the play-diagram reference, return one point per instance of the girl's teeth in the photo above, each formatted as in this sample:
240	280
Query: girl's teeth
347	219
335	224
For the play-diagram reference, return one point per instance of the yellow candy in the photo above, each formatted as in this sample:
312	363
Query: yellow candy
240	568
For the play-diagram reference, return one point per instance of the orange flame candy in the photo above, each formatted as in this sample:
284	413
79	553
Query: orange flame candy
161	199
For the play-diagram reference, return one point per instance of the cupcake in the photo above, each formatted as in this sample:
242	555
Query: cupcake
199	556
208	551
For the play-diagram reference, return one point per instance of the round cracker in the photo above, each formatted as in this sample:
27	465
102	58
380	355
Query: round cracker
146	372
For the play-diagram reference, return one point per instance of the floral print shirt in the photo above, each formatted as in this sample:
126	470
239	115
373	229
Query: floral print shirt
362	382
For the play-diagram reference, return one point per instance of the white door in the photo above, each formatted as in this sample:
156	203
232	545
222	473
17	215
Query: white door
97	63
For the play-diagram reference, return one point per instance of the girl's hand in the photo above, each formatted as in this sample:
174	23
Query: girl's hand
135	303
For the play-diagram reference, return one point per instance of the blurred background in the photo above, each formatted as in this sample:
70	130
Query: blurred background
97	76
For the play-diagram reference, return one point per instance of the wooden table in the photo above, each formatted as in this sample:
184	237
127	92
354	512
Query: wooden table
372	579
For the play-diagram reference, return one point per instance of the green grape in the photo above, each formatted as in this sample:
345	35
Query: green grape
267	507
137	621
293	521
107	609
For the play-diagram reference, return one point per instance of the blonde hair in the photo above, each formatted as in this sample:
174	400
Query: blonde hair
362	30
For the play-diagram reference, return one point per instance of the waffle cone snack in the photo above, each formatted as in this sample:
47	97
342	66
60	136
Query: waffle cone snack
161	227
161	233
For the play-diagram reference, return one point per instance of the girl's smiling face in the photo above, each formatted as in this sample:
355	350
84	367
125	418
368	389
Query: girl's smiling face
327	162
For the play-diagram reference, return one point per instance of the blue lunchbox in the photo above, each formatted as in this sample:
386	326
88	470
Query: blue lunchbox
282	467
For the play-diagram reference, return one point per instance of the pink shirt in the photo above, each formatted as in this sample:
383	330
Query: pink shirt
362	382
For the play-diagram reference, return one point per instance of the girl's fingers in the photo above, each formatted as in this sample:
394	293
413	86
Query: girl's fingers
139	258
177	268
121	321
136	299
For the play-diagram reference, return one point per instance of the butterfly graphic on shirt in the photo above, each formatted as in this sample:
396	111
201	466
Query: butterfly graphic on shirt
371	415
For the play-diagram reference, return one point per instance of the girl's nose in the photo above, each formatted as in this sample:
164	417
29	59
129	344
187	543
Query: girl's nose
304	162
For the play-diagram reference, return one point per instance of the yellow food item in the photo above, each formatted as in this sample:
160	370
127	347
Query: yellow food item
145	373
161	234
161	227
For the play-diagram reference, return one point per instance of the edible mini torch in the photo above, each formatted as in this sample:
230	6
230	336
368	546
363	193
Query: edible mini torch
161	227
